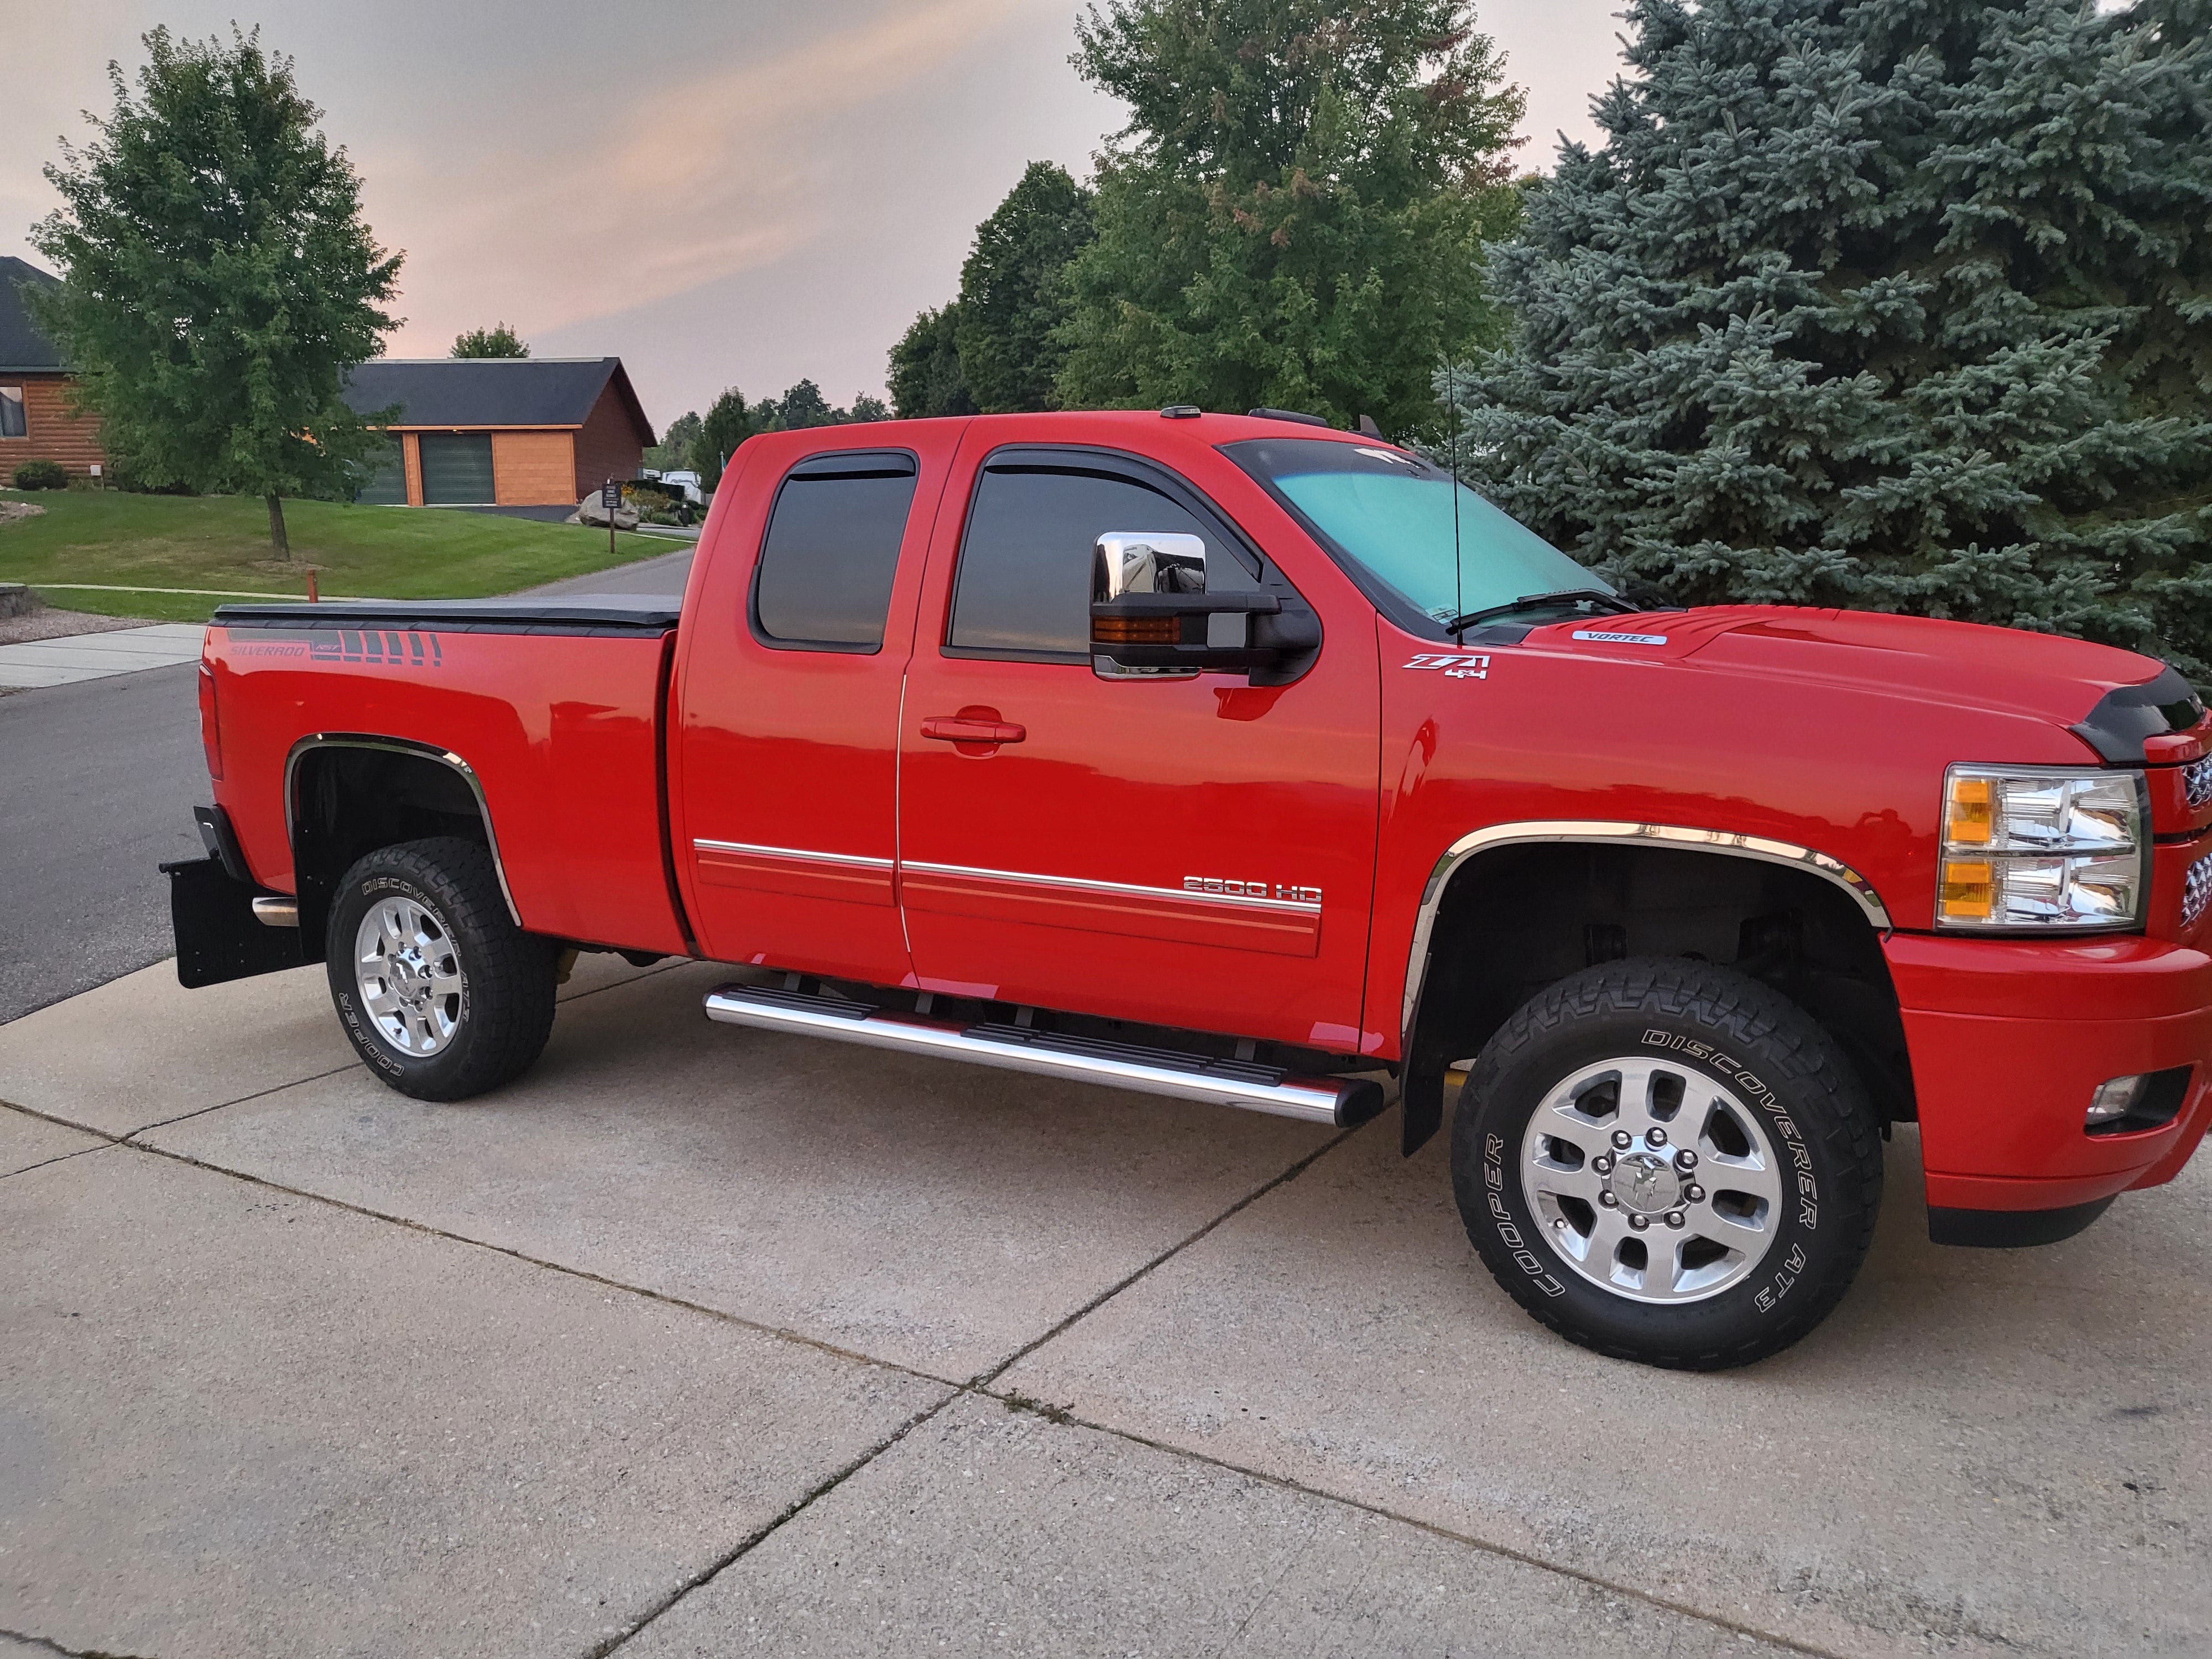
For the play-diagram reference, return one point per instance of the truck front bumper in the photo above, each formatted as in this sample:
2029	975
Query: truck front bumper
2010	1038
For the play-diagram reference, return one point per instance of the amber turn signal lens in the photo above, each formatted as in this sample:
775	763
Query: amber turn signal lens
1969	889
1136	631
1967	814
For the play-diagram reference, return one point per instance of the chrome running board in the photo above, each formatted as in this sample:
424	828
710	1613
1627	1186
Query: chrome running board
1255	1088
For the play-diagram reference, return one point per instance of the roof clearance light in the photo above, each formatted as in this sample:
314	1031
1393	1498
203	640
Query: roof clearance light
2035	850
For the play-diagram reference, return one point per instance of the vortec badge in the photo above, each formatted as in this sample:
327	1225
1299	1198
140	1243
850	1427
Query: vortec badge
1452	665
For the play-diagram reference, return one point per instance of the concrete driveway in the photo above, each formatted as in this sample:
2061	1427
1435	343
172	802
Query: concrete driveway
701	1341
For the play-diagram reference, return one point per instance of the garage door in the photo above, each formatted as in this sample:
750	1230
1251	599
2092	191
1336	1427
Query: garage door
457	469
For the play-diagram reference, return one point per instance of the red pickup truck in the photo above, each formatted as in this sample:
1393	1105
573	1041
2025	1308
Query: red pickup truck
1243	760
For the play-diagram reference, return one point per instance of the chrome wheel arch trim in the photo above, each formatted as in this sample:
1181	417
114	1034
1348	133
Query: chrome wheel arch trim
429	751
1606	832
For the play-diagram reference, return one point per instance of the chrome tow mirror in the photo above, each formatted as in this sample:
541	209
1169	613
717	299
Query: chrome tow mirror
1148	562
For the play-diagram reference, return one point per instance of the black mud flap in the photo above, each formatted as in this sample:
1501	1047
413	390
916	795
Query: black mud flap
219	939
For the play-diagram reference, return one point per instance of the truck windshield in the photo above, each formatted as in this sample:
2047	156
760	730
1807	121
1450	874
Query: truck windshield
1387	515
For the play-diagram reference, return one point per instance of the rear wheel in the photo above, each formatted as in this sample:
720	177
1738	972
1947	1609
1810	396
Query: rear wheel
1668	1162
438	990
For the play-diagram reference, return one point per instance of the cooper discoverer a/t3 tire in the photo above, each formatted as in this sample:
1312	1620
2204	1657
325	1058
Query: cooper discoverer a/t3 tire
1668	1162
437	989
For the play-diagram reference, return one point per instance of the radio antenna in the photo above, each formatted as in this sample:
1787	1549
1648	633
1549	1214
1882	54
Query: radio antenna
1451	397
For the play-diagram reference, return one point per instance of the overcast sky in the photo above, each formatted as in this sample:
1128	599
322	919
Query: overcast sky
736	192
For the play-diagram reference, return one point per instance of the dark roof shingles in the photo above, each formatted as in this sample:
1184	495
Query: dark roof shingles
481	390
22	345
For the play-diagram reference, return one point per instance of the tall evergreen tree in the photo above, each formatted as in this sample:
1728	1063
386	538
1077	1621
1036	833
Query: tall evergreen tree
1014	294
217	278
1894	304
727	422
1294	215
925	371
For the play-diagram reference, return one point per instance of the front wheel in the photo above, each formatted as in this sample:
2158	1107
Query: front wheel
1668	1162
438	990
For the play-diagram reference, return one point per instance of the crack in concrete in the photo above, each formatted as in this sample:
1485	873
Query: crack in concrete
51	1646
59	1157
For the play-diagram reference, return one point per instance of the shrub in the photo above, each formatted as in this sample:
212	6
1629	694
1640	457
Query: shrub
41	475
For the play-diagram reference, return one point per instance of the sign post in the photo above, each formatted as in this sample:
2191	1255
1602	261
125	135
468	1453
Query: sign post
610	498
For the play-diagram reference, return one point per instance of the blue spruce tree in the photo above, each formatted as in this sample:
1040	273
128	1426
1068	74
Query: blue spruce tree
1899	305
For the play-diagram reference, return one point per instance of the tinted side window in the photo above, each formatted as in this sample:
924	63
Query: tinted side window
825	580
1023	589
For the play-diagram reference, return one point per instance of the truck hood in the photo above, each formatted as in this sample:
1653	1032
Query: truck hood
2111	699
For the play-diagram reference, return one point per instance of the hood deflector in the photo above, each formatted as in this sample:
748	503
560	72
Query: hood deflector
2127	715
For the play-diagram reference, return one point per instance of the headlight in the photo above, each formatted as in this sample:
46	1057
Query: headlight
2032	849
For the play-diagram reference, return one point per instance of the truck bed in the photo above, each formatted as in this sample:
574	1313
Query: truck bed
551	705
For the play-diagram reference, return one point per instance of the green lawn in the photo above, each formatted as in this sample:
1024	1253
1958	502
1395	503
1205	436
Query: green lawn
113	540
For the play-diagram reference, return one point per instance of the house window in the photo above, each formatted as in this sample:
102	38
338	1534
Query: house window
12	424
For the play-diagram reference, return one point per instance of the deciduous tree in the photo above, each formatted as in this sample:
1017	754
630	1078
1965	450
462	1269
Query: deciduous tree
497	340
218	281
1295	214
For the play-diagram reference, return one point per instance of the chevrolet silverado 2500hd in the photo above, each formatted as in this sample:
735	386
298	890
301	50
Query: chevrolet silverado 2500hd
1242	760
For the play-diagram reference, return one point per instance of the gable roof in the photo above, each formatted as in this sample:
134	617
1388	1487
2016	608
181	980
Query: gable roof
22	345
480	391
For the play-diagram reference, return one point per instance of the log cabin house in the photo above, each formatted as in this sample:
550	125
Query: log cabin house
36	421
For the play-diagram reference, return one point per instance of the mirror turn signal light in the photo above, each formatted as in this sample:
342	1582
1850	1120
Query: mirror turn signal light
1136	631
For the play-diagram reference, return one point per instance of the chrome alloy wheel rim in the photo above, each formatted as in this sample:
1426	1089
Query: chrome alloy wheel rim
410	975
1650	1181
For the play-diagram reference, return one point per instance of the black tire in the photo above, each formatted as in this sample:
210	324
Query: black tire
1771	1062
498	1018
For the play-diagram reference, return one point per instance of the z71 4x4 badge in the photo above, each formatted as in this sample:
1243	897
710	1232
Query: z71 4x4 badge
1452	664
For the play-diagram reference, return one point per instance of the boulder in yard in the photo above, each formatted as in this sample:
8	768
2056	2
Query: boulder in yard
588	511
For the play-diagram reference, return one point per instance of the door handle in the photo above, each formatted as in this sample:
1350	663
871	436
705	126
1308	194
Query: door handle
961	728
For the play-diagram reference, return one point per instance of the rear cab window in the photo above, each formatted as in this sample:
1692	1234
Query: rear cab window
828	561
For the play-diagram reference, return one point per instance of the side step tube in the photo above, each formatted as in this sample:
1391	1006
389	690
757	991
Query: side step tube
1340	1101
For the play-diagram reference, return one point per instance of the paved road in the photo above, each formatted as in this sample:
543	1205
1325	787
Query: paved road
699	1342
100	783
664	575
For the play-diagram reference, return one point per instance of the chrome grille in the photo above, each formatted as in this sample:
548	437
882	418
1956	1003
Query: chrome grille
2198	780
2196	892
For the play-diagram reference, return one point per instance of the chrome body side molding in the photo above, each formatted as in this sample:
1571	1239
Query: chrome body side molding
1603	832
858	861
399	746
1256	1088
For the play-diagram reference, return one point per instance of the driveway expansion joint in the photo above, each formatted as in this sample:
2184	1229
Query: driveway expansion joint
760	1535
982	1379
1065	1417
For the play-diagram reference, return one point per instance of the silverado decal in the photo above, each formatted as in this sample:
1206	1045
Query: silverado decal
1455	666
370	647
